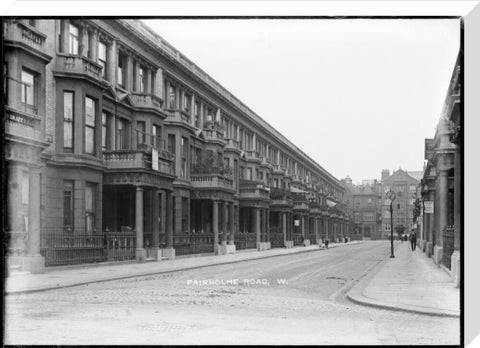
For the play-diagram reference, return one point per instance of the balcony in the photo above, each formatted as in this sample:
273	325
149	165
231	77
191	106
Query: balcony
21	34
146	101
253	156
301	206
296	179
214	132
266	162
232	143
280	196
136	159
23	124
315	208
71	65
178	116
254	190
278	169
211	181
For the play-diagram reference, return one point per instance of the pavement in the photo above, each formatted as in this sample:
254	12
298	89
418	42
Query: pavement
68	276
409	282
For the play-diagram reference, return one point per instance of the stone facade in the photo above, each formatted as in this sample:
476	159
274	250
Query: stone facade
405	187
365	206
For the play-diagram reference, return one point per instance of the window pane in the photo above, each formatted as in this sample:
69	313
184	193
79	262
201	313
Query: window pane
27	88
102	51
68	119
73	40
89	140
171	102
104	130
90	112
88	198
67	135
68	106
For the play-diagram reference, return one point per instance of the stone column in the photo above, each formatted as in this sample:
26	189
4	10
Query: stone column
112	63
215	226
192	113
167	224
178	209
94	46
158	85
169	208
64	28
257	221
231	220
267	223
148	81
284	227
457	215
140	252
155	218
442	205
33	262
224	224
163	213
84	44
128	73
440	214
201	116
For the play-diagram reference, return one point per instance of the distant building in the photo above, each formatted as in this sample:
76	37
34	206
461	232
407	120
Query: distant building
365	206
405	186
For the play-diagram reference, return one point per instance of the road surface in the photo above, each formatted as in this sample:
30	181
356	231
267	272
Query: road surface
292	299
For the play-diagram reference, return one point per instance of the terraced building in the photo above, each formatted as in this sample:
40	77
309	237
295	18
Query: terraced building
119	147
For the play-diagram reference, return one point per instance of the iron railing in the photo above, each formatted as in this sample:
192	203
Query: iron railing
276	238
186	244
297	239
64	247
245	240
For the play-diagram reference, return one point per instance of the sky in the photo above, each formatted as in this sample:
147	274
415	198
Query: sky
356	95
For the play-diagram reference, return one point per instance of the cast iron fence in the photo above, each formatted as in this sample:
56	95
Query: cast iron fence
66	247
297	239
245	240
186	244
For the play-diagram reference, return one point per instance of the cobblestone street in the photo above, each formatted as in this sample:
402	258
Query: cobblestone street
294	299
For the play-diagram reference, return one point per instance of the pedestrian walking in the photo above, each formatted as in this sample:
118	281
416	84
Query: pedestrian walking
326	243
413	240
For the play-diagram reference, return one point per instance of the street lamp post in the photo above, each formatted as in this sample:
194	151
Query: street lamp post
391	195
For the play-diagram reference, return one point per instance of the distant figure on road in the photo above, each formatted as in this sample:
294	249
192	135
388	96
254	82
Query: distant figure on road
413	240
326	243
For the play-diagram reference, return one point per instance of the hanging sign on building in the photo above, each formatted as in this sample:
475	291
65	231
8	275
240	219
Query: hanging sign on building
297	222
154	159
428	207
